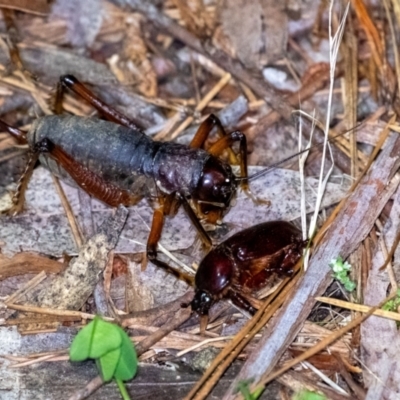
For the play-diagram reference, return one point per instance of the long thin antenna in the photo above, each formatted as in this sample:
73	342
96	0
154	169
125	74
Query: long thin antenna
276	165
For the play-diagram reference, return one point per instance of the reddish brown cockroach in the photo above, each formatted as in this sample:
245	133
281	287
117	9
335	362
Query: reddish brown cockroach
243	264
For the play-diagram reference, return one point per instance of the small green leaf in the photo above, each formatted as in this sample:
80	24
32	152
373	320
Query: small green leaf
94	340
127	364
308	395
349	285
107	364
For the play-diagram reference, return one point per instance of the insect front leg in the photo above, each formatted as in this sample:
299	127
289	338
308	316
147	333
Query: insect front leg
205	128
241	302
72	83
195	221
225	142
152	242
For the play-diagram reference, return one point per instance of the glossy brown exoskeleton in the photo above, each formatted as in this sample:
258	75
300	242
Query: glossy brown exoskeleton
245	262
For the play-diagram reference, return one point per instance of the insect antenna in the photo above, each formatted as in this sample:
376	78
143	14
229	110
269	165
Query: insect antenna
276	165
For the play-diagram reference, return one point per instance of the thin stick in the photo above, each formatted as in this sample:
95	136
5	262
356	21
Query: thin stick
203	343
359	307
29	286
52	311
389	268
78	237
203	104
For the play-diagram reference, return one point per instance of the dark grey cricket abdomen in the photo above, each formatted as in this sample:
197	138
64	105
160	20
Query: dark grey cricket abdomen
120	155
111	150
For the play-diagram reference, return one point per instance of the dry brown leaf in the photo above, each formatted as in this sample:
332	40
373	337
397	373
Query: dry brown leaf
134	66
195	16
29	6
253	30
27	263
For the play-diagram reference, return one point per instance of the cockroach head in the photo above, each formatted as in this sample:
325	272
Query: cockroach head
201	302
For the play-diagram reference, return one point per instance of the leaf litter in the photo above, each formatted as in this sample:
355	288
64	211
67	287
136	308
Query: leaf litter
173	65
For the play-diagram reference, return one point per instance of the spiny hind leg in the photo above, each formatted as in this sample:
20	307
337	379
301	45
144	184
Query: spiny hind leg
86	179
73	84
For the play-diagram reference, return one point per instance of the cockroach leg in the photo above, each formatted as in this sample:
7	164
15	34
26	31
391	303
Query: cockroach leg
151	250
241	302
70	82
203	324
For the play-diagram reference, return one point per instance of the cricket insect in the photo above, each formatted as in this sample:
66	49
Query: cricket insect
116	162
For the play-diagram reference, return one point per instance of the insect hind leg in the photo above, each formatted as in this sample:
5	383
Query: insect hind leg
73	84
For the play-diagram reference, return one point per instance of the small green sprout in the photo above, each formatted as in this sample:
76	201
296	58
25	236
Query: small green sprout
341	273
394	304
112	349
244	388
308	395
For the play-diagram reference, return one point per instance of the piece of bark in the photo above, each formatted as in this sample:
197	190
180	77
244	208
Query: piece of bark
380	340
40	7
48	64
27	263
159	315
256	30
52	381
83	24
71	289
351	226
